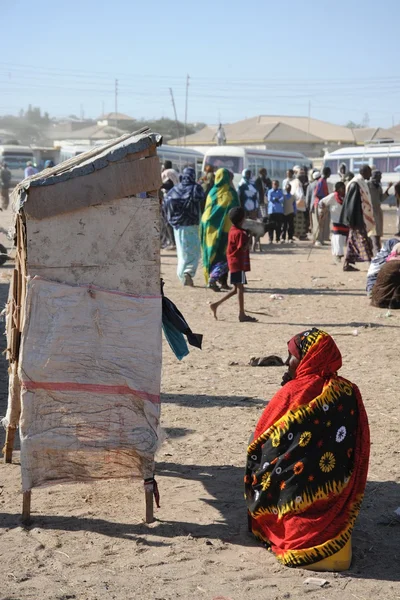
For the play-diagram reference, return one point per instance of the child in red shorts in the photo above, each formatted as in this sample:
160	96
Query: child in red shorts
238	256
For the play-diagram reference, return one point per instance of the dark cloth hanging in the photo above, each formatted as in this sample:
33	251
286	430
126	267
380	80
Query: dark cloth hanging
174	321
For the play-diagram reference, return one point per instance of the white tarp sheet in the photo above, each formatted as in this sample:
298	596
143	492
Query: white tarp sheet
90	367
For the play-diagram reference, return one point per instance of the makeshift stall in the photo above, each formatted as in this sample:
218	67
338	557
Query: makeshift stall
84	319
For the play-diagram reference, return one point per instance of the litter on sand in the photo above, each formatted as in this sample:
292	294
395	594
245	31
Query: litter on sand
266	361
316	582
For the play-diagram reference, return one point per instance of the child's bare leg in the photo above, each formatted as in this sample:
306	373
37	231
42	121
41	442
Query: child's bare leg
240	289
242	315
214	305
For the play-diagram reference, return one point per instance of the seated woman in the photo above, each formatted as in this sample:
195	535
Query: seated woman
307	464
378	261
386	291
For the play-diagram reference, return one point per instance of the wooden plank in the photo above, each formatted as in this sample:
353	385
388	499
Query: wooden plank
26	507
149	501
9	444
118	180
113	246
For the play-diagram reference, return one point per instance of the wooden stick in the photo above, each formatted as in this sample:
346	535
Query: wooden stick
26	508
148	493
9	444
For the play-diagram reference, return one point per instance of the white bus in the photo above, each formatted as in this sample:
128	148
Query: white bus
16	158
237	158
384	157
181	158
67	152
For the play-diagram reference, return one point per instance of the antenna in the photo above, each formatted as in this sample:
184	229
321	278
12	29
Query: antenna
116	103
176	116
186	109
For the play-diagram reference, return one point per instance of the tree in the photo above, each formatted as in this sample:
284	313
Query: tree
353	125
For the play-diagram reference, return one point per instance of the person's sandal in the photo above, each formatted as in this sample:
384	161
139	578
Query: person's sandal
248	319
350	268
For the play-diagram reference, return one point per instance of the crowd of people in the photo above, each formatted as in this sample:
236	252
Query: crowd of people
197	221
307	460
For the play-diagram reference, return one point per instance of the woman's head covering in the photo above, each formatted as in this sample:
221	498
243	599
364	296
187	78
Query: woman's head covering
188	176
222	177
376	176
396	249
170	174
316	351
246	176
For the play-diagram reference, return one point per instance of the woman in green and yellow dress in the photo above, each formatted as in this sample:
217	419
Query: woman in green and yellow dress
214	228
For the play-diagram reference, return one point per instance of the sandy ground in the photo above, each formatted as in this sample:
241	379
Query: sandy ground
89	542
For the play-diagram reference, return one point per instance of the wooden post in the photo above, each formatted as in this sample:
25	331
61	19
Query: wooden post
148	494
9	444
26	508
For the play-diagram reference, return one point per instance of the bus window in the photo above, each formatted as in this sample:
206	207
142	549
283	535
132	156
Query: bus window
380	163
233	163
332	164
267	164
278	169
394	161
358	163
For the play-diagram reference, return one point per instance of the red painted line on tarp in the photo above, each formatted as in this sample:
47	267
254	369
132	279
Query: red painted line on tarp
92	388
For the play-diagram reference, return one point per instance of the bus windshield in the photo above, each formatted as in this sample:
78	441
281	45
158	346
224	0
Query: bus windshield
233	163
16	161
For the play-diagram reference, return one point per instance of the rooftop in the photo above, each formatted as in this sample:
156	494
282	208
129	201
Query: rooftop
113	116
282	128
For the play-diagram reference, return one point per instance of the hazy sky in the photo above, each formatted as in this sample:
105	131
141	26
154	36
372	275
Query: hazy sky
244	59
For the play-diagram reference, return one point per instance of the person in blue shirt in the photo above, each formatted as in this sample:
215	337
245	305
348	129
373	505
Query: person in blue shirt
275	211
289	211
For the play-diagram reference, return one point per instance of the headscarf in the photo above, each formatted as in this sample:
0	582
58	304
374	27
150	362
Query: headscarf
170	174
378	261
307	464
376	178
182	203
245	180
215	222
316	175
248	193
395	253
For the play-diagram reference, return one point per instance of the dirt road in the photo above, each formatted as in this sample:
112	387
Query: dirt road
88	542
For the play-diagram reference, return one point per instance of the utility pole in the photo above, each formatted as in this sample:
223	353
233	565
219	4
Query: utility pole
309	117
186	109
176	116
116	102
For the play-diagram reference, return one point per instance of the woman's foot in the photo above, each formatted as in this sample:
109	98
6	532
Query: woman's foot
246	319
187	280
213	286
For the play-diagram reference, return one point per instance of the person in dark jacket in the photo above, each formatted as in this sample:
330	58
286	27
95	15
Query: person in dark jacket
182	211
263	184
357	214
5	176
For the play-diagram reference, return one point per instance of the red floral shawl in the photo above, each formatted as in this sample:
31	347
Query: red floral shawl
307	465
